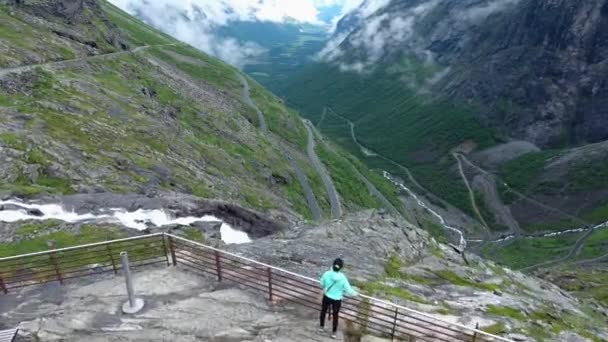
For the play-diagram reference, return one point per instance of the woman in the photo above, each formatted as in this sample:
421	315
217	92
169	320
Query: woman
334	284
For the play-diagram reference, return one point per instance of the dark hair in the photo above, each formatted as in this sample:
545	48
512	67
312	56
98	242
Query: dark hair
338	264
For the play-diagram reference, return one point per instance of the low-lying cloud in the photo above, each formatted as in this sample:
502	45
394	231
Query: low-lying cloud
379	34
195	21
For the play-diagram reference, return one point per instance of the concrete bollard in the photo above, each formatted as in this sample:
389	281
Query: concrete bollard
133	305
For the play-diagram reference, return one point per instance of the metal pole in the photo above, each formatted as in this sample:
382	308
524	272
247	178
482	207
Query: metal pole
56	267
218	266
112	259
165	248
475	334
127	270
394	324
172	249
3	287
134	305
270	284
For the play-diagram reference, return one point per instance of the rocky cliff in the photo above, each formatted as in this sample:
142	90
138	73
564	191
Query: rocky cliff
536	67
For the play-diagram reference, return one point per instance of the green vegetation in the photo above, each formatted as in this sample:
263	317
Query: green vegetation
256	199
61	239
506	311
523	252
284	123
209	70
435	229
497	328
416	131
596	244
383	185
138	32
352	190
378	288
455	279
194	234
586	282
12	140
520	172
449	186
36	228
588	175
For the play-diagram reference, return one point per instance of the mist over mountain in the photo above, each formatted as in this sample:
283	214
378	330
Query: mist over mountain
218	27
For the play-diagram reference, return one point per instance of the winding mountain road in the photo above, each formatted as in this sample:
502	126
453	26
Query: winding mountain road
332	193
407	171
398	184
247	98
311	200
523	196
68	62
370	186
578	245
471	195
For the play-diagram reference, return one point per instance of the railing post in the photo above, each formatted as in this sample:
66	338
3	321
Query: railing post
165	249
56	266
112	259
270	284
218	266
172	249
475	333
133	305
3	287
394	323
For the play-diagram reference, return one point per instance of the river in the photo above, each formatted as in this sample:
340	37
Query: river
463	242
139	219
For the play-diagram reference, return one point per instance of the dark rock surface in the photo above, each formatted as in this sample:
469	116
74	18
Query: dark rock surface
536	69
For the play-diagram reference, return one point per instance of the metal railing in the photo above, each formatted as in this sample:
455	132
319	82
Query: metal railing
372	315
79	261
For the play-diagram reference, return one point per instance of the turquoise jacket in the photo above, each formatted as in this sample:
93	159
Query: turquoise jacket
335	284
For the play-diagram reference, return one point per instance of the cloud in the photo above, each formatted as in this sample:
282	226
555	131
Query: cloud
375	35
195	21
380	33
479	13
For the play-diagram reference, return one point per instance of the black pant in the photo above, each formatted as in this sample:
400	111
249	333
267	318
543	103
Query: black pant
335	311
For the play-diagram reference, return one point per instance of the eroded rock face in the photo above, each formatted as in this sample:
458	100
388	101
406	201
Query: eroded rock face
549	59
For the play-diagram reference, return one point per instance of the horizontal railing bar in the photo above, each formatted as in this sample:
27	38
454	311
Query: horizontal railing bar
81	246
210	264
193	266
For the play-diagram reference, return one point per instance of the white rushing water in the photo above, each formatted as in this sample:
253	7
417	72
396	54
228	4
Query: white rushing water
551	234
136	219
463	242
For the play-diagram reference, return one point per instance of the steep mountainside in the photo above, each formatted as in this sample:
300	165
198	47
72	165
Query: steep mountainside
417	81
92	100
268	50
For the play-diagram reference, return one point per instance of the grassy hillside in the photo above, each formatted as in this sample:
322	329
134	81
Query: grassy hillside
147	115
393	119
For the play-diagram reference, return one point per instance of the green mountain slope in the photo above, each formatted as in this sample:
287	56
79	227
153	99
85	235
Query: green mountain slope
92	100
